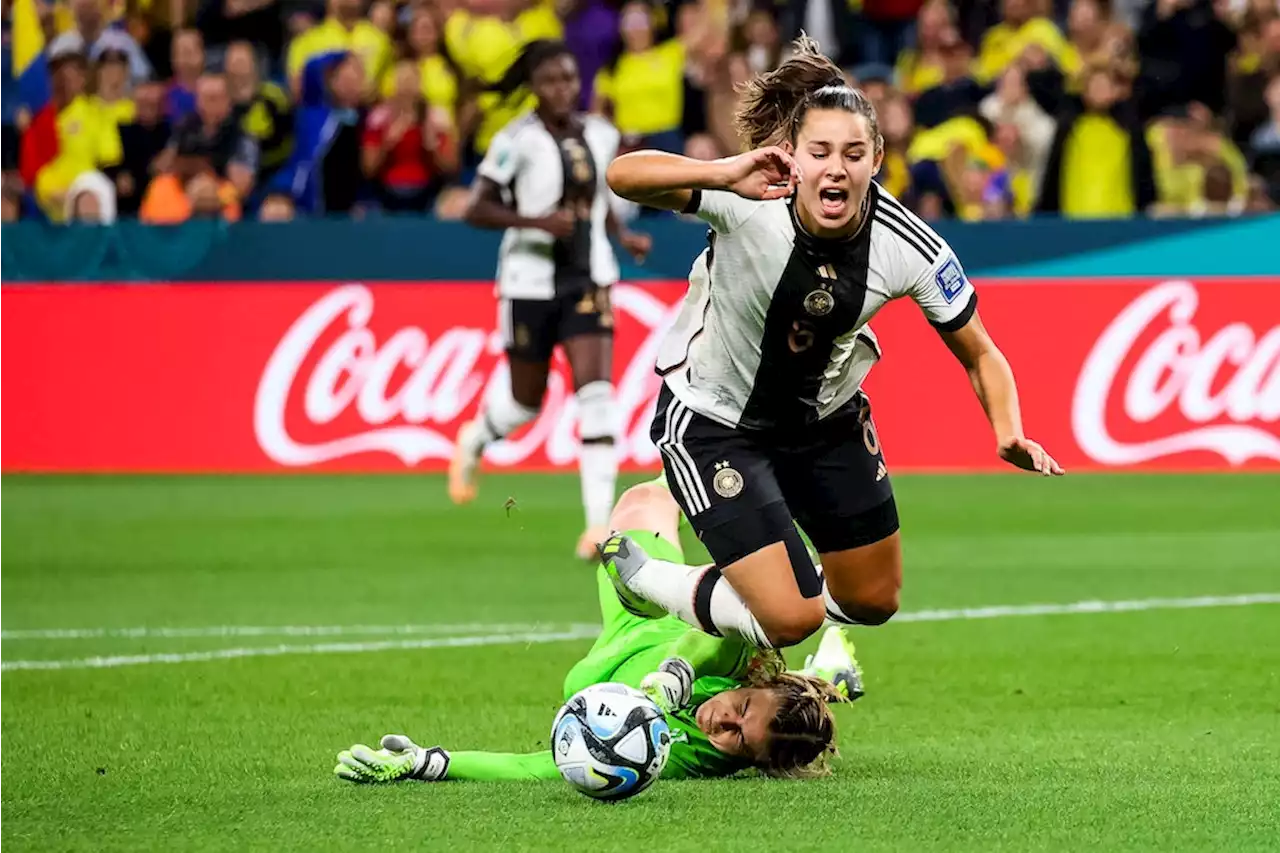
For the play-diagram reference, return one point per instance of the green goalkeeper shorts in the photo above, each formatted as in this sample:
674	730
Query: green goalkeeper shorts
629	647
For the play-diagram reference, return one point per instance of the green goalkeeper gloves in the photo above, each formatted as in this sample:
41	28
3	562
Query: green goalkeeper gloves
671	687
399	758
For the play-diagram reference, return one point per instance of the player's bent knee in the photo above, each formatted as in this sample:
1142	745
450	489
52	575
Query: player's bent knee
644	497
643	506
873	608
792	628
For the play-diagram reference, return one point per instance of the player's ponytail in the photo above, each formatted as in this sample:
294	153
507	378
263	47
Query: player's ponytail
774	104
519	74
802	735
769	101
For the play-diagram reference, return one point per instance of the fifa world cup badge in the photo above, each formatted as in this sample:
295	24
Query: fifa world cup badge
727	481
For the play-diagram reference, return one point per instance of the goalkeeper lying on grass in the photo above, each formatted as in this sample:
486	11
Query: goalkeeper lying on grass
731	706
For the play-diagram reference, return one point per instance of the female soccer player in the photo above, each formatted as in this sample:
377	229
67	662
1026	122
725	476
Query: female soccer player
741	709
761	418
542	181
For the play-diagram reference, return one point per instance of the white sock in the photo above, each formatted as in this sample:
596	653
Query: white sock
597	458
835	616
598	467
674	587
500	416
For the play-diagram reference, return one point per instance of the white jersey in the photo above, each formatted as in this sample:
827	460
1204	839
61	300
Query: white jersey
774	330
532	166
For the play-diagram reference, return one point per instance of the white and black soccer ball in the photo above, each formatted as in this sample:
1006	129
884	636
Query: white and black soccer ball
610	741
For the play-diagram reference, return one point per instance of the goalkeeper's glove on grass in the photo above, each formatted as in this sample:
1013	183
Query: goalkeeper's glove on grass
399	758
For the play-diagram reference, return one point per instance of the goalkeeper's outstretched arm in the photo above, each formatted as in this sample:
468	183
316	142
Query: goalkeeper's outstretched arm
401	759
501	766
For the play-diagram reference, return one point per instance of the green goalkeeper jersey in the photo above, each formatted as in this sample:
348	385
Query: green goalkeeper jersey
629	648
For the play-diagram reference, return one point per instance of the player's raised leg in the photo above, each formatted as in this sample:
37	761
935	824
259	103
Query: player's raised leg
511	401
862	584
652	518
841	493
651	508
591	359
768	591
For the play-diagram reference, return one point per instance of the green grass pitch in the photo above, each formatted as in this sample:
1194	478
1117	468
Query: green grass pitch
1152	729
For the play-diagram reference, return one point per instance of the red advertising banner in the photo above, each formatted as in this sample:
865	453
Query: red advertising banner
265	377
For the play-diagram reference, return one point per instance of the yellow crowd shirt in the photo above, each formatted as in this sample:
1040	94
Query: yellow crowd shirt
439	83
915	74
1097	170
88	139
646	89
330	36
484	46
1181	187
1003	44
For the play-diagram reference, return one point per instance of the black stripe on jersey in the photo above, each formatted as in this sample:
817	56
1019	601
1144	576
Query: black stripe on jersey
695	203
797	339
930	255
959	321
890	201
913	225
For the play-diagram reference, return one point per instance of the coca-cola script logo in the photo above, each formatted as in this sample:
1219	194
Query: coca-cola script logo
1232	374
416	419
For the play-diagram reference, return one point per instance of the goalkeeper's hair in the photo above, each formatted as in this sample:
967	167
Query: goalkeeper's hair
803	732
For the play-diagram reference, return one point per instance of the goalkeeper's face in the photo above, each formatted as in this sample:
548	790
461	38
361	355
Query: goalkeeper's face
739	722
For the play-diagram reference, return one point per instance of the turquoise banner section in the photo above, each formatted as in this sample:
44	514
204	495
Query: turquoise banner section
411	249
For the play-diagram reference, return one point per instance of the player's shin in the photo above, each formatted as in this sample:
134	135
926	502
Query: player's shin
500	415
597	462
697	595
702	598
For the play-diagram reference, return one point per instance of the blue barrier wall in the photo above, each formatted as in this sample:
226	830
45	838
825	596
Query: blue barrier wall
395	249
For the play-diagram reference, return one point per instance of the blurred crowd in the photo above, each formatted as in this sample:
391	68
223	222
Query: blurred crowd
990	109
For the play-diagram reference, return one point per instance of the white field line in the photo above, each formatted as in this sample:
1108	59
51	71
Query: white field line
1002	611
270	631
578	632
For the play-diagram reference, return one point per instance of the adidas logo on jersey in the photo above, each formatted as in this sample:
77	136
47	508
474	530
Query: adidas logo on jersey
881	472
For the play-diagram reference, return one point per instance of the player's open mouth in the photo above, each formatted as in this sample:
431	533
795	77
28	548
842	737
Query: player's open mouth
834	201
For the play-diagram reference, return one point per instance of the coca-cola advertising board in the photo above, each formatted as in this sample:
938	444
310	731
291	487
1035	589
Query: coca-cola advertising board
1145	373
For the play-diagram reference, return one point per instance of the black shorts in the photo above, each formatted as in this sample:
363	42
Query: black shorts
743	489
531	328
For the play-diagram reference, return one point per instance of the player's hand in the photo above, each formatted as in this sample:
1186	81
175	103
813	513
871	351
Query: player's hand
1022	452
764	174
671	687
399	758
636	244
559	224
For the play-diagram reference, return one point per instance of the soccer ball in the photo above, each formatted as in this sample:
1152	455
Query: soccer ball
610	741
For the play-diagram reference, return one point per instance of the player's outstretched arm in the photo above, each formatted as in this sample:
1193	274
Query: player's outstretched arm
502	766
668	181
993	382
400	759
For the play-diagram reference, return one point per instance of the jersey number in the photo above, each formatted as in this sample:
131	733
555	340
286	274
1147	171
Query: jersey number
869	437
